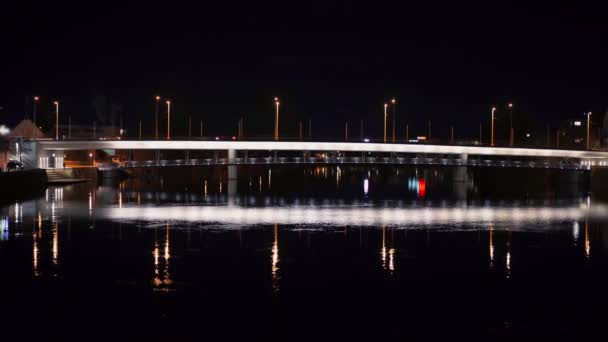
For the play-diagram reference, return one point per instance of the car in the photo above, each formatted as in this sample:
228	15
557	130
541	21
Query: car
14	165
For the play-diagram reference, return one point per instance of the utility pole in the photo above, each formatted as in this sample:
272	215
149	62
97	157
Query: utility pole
407	133
385	105
346	132
430	131
480	135
588	126
452	135
36	98
156	119
557	139
300	127
511	132
276	119
492	129
168	119
394	102
139	129
57	120
70	127
201	128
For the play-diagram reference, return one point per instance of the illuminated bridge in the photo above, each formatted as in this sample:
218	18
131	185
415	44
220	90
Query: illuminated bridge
292	152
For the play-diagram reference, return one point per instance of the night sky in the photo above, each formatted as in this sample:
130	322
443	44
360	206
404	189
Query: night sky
329	61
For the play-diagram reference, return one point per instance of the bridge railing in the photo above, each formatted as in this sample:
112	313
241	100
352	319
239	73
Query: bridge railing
554	164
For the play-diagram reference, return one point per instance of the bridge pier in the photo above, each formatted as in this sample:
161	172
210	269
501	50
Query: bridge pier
460	179
232	177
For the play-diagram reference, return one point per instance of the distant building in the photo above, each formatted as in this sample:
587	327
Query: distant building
573	133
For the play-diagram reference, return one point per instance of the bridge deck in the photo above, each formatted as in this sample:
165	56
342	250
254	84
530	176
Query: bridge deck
317	146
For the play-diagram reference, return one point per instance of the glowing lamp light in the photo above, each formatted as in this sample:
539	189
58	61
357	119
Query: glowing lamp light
4	130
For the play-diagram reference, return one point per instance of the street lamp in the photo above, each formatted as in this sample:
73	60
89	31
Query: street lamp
588	125
156	118
394	103
511	132
56	103
385	106
168	119
276	119
492	133
36	98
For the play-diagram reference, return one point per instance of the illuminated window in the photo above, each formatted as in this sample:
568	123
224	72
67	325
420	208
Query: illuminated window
577	123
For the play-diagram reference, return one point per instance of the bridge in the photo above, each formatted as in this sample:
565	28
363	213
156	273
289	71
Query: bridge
282	152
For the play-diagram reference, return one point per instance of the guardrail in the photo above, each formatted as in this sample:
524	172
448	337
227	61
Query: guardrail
546	164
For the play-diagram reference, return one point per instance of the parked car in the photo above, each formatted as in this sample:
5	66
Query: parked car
14	165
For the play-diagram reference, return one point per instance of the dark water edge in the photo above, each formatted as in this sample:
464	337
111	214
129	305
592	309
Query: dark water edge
22	185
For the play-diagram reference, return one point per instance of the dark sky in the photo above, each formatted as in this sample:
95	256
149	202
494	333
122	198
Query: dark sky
331	61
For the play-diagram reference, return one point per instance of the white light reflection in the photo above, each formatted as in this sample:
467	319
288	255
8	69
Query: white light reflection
275	259
383	249
353	215
587	241
55	250
365	186
491	246
575	232
4	228
162	279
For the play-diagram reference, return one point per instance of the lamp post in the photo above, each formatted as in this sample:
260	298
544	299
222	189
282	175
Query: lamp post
492	131
346	132
588	126
385	105
452	135
36	98
168	119
276	119
511	133
56	103
394	103
156	119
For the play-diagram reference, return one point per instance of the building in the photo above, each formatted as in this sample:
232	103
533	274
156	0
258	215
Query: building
573	133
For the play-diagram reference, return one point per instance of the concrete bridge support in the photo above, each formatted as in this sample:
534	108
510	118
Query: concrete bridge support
460	179
232	178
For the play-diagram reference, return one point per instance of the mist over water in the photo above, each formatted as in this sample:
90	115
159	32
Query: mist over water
314	252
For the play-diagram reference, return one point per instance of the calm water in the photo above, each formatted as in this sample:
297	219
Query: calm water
321	253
